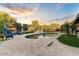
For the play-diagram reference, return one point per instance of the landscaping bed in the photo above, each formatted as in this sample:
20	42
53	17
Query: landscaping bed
71	40
1	37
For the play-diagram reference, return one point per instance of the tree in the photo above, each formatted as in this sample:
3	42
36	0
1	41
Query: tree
31	29
3	18
25	27
11	23
46	28
62	28
18	27
54	26
35	25
67	29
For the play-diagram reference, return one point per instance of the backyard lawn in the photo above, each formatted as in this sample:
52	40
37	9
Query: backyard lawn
71	40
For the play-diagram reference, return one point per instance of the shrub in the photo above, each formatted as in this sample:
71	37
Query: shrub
1	36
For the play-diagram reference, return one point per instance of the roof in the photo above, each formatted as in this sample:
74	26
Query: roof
76	19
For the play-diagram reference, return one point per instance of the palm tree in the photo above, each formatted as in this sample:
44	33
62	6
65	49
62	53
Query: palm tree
67	29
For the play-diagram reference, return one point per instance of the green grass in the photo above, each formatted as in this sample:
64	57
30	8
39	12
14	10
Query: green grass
72	40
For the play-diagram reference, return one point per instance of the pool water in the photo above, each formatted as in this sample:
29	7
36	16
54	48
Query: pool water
35	36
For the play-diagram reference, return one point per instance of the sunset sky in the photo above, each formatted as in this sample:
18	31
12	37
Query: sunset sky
44	12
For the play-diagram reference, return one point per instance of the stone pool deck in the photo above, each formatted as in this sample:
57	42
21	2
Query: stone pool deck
20	46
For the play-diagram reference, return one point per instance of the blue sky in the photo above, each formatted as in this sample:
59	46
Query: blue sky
47	11
59	10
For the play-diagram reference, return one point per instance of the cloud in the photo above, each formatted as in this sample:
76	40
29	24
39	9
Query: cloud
24	13
60	5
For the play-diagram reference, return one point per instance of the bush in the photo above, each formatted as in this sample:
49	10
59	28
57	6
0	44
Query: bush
1	36
25	27
18	27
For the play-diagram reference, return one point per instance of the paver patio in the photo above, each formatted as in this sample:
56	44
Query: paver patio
20	46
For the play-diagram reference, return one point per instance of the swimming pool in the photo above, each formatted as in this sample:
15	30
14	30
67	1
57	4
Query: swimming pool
36	35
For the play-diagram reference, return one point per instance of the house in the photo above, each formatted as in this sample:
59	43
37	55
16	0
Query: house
76	22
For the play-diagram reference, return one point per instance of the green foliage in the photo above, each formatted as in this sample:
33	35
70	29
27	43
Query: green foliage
36	26
18	26
72	40
62	28
3	18
65	28
46	28
51	28
1	37
25	27
31	29
54	26
35	23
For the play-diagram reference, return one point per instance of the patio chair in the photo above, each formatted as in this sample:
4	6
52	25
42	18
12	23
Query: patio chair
7	33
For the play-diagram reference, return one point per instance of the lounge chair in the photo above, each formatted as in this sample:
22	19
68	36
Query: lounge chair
7	33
